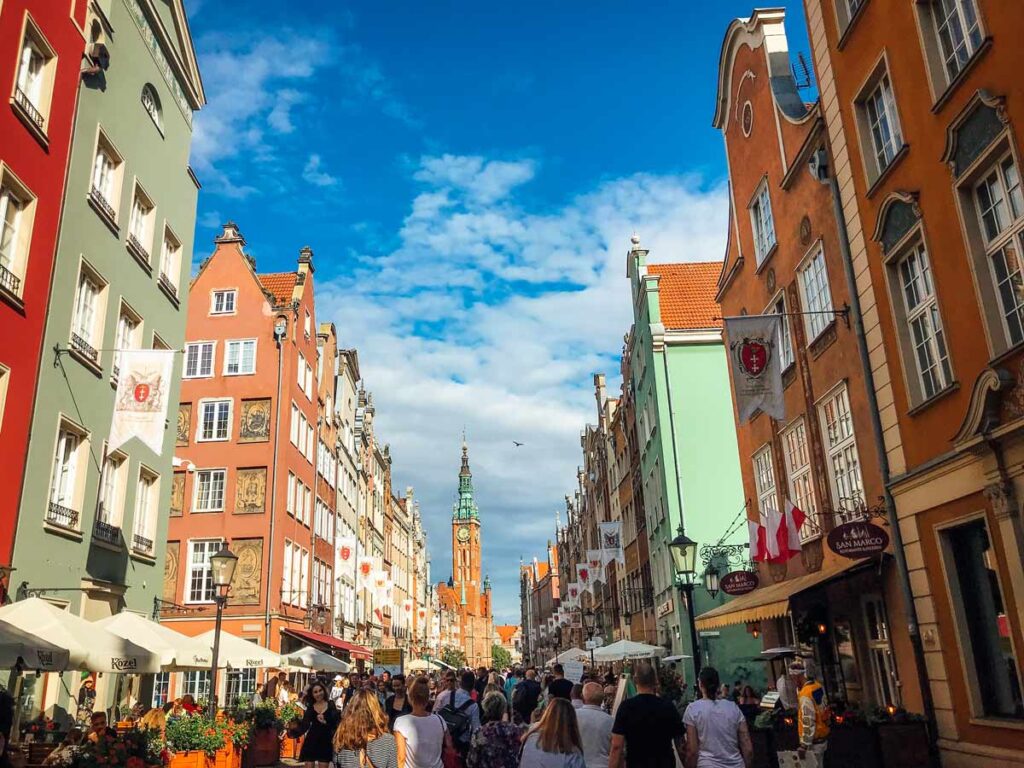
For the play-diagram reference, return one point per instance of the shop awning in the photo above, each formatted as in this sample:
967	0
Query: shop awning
330	643
772	601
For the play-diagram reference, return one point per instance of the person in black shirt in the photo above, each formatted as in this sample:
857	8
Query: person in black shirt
560	688
525	696
646	727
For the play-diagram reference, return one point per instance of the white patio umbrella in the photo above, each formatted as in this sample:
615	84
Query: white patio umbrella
90	648
309	657
237	653
20	647
422	665
627	649
176	651
573	654
677	657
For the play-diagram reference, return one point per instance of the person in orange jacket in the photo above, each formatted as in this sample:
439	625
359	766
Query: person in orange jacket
813	714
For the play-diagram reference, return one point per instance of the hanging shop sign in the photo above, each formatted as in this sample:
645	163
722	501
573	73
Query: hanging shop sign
857	540
739	583
665	608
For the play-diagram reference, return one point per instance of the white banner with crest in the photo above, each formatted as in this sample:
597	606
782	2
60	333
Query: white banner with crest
754	362
140	403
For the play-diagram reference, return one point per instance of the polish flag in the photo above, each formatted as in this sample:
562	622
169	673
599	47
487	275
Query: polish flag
758	541
792	521
775	536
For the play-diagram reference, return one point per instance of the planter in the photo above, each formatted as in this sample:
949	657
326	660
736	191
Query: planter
903	745
193	759
290	747
852	746
265	747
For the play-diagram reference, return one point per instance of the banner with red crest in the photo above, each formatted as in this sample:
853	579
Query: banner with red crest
346	549
364	572
755	365
140	402
583	578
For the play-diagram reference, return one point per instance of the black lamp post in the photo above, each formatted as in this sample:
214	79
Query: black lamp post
589	626
684	558
222	568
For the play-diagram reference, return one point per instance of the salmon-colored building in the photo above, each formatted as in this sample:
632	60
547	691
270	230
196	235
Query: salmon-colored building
248	431
924	112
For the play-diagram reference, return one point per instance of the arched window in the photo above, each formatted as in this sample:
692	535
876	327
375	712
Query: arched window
151	103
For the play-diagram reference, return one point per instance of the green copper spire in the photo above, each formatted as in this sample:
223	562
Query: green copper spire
487	583
465	508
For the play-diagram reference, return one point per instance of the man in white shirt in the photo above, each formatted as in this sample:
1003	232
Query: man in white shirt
595	727
787	690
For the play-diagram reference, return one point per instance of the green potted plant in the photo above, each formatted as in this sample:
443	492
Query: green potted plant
194	740
290	715
264	742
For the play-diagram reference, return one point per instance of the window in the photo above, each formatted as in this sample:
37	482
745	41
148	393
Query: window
923	321
69	467
309	443
241	683
127	336
1000	206
112	487
140	224
816	296
196	683
309	382
239	357
980	613
214	420
881	124
304	579
161	689
151	103
146	500
35	77
106	177
293	427
5	379
87	328
308	324
798	468
841	454
958	31
762	223
883	665
199	586
209	490
785	341
170	262
16	207
300	372
286	573
290	499
223	302
764	481
199	359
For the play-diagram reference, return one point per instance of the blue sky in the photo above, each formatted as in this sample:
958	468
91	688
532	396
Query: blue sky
468	175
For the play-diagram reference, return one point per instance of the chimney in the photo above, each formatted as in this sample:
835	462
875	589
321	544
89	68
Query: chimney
306	260
599	391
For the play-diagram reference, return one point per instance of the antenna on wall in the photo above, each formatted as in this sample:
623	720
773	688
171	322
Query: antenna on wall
801	72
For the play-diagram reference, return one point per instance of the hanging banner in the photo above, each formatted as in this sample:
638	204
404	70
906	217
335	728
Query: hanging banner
346	549
583	578
407	607
857	540
572	593
611	542
364	571
755	366
381	583
140	402
421	613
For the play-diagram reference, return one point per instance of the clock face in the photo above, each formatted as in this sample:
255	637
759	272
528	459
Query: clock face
463	533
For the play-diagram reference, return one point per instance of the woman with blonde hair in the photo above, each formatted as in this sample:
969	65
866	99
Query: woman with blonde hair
555	741
362	739
421	734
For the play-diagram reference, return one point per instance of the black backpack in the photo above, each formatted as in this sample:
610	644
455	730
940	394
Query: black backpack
457	719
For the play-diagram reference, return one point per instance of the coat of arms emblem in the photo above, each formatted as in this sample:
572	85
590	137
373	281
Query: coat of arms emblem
753	356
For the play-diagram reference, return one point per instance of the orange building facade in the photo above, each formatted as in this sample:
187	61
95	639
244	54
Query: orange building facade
924	112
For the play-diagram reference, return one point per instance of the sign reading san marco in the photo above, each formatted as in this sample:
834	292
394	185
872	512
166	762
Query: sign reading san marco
857	540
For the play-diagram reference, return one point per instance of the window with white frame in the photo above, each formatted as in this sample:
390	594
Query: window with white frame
841	454
209	490
308	324
293	426
816	295
127	336
309	443
140	223
87	326
307	507
286	573
16	208
199	586
241	684
161	689
924	324
146	501
196	684
67	478
764	482
309	382
199	359
34	83
223	302
113	482
170	261
762	222
958	31
999	199
785	341
151	103
214	420
239	357
880	123
300	372
107	168
304	579
798	470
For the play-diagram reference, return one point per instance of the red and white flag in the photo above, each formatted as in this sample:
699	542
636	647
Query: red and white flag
775	537
792	521
758	541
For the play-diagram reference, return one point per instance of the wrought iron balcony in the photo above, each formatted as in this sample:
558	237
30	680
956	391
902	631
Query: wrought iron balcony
100	201
115	372
167	285
25	103
142	545
138	247
101	531
84	347
62	516
8	280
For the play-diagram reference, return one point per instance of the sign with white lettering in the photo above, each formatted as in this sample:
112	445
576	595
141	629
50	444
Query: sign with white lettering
858	540
739	582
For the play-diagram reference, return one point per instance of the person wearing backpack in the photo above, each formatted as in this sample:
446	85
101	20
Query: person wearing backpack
459	711
525	696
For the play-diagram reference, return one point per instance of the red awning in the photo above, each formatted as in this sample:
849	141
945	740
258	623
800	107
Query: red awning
331	643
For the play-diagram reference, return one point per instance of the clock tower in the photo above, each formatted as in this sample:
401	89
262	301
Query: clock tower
466	566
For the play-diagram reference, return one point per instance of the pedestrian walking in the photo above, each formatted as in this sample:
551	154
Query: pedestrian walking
337	690
397	703
362	739
813	716
716	730
646	727
421	734
576	696
497	743
787	688
511	681
525	696
595	726
319	722
554	742
460	713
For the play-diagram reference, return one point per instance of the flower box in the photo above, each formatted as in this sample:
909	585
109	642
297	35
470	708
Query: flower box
852	745
290	747
193	759
265	746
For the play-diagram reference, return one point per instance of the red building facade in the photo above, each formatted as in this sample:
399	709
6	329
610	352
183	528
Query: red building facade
43	45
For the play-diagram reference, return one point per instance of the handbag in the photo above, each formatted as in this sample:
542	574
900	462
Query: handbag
450	756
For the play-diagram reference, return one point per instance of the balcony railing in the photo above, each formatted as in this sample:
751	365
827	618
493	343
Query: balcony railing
138	247
100	201
22	100
84	347
167	285
142	545
8	280
62	516
106	532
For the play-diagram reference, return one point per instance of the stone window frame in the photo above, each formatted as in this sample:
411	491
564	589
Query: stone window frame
195	508
80	473
32	34
940	82
754	206
22	240
873	171
811	528
814	315
845	509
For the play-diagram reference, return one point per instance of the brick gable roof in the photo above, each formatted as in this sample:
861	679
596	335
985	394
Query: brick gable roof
687	294
280	285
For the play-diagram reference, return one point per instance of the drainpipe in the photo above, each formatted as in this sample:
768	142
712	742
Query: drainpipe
280	329
691	594
822	171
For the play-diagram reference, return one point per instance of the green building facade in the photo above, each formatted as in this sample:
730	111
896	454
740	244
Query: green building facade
92	527
688	453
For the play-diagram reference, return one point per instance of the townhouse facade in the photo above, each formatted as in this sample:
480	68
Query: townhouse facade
348	494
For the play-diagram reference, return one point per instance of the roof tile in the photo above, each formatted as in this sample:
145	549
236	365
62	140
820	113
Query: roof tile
280	285
687	294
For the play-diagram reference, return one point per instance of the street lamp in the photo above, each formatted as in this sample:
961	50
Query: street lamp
222	568
684	557
711	581
589	626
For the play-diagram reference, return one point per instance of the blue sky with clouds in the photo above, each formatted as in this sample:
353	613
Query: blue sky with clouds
468	174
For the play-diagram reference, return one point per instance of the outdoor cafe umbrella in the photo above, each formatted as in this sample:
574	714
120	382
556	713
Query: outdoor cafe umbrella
90	648
422	665
573	654
627	649
176	651
20	647
309	657
237	653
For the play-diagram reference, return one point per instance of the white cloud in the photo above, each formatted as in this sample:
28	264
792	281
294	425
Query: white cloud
493	318
314	173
